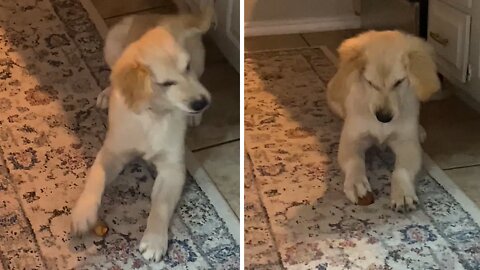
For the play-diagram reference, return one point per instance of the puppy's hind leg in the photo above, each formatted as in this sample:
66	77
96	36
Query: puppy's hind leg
106	167
167	190
351	158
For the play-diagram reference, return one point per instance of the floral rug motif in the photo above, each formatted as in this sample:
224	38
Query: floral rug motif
51	70
296	215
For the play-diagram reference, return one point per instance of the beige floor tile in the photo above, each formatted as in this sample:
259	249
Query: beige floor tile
213	53
112	8
110	22
222	164
449	110
468	179
453	130
221	122
331	39
274	42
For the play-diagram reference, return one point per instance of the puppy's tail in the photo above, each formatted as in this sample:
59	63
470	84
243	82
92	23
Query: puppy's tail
196	16
203	19
192	23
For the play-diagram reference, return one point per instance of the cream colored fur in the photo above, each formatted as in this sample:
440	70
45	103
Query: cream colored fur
132	28
151	95
382	76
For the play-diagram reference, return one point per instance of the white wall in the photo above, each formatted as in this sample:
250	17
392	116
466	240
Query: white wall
263	16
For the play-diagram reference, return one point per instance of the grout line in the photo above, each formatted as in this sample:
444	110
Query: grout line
461	167
306	41
330	55
214	145
134	12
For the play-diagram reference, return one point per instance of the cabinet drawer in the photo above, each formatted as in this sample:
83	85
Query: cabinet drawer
449	34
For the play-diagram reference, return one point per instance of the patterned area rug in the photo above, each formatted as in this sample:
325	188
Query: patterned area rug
51	69
296	215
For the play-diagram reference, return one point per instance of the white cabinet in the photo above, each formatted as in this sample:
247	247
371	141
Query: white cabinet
455	26
449	34
454	31
227	30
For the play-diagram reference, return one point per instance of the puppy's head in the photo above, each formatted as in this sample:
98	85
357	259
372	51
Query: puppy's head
154	72
388	66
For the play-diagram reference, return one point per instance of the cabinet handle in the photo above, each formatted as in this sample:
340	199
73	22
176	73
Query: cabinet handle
439	39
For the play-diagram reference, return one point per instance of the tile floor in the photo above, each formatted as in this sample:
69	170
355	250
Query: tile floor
452	126
215	143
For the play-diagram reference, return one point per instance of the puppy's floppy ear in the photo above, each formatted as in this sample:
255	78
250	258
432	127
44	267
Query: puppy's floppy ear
421	69
351	52
133	81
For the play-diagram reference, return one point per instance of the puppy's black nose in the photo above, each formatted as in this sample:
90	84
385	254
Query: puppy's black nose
384	116
199	104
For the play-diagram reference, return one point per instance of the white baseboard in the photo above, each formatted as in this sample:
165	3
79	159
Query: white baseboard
278	27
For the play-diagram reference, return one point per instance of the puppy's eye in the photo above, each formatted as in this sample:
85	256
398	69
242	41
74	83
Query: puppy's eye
372	85
167	83
187	69
398	82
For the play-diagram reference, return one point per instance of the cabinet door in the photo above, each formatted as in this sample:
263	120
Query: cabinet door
226	31
449	33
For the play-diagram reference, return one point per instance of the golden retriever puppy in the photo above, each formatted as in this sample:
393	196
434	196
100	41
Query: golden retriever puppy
133	27
153	90
381	79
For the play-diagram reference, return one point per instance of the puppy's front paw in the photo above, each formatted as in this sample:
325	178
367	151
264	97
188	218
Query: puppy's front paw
103	98
84	214
154	246
403	197
356	188
194	120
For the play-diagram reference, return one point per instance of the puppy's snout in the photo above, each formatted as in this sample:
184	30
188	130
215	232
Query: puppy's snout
384	116
199	104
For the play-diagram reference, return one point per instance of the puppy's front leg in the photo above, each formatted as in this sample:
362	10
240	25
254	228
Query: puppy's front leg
351	155
407	165
106	167
422	134
104	97
165	195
